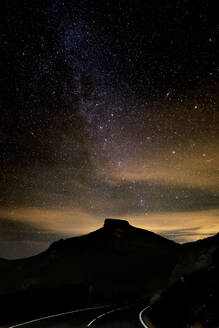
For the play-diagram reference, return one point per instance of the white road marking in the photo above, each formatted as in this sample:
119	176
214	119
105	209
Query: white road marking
106	313
60	314
101	315
91	322
141	319
110	311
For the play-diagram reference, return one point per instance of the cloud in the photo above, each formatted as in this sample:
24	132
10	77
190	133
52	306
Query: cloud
186	234
41	225
58	221
188	226
20	238
101	197
127	197
186	167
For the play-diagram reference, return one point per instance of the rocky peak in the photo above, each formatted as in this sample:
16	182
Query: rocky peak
116	225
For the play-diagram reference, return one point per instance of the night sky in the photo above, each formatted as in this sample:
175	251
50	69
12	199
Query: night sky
109	109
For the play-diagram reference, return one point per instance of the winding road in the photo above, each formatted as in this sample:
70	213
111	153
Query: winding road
110	316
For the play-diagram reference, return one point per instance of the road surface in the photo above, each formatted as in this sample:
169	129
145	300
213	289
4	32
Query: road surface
124	316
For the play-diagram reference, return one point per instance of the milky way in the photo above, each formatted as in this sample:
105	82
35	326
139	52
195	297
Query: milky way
109	110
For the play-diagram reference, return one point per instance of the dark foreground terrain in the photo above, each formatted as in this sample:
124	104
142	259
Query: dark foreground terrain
193	301
117	264
117	316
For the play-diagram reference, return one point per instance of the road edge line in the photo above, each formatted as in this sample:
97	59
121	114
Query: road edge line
141	319
60	314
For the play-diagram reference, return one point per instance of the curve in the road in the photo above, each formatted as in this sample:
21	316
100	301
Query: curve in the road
93	321
61	314
141	317
107	313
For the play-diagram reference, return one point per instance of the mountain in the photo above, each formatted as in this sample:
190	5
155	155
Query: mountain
116	262
195	256
112	256
192	300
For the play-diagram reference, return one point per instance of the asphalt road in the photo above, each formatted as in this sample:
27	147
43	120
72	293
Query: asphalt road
126	316
121	317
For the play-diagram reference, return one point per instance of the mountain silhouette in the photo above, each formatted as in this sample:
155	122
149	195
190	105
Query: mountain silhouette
116	260
115	263
193	300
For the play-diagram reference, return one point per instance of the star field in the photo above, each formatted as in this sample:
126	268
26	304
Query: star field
109	109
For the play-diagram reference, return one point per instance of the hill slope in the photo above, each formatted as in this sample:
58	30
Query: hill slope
192	301
193	295
115	260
